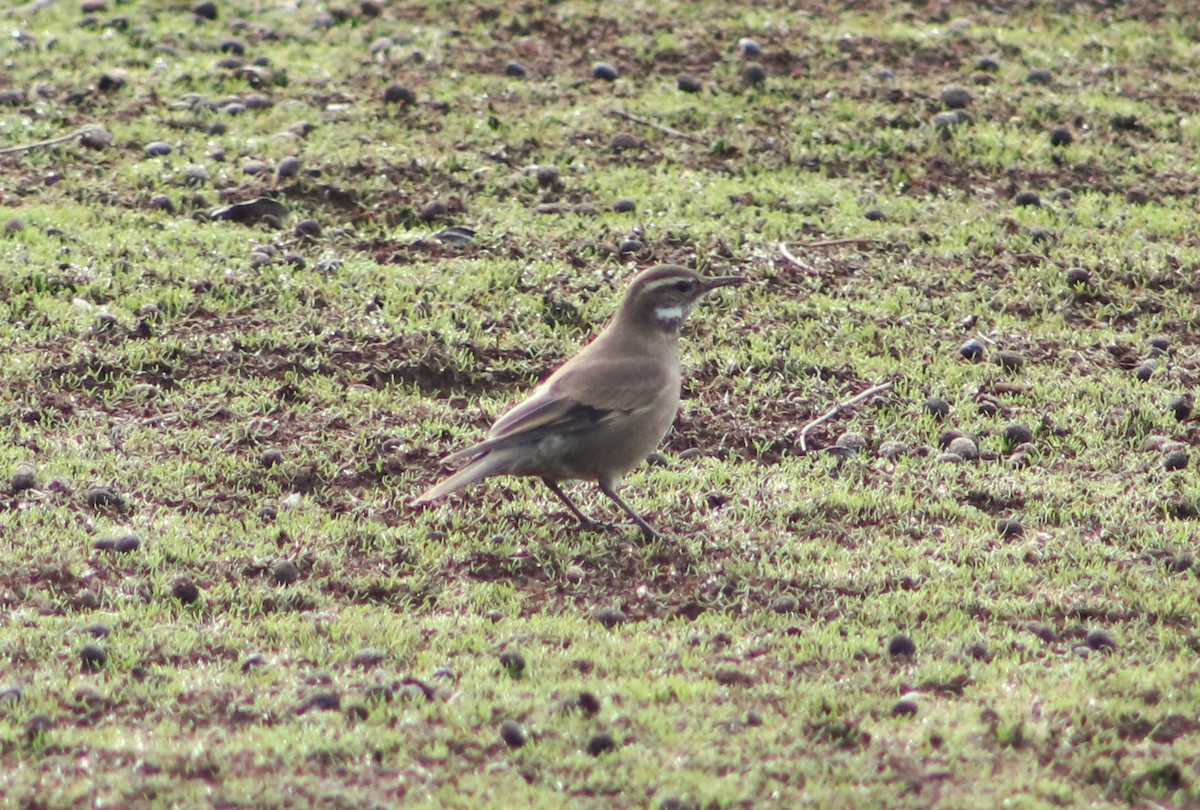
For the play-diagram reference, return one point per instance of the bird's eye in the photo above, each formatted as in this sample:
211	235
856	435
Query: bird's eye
683	286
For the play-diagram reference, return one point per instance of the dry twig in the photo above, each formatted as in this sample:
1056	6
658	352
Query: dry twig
25	147
646	122
841	407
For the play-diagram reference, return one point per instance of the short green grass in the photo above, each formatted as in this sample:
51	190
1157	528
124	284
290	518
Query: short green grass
264	404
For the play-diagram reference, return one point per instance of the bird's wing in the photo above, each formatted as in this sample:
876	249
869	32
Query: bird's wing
570	401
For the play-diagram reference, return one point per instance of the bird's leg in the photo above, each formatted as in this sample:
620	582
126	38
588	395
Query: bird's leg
647	530
585	522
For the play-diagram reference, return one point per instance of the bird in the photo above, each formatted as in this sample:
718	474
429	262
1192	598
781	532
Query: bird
604	410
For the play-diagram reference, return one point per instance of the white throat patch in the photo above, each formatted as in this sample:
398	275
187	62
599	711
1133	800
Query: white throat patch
669	316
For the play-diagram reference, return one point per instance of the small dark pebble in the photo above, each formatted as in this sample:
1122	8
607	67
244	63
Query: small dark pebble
1177	460
875	214
1146	370
513	735
901	646
1160	342
547	175
936	407
370	8
288	167
1177	565
97	630
285	572
989	63
589	704
357	712
1040	76
161	202
979	652
233	46
624	140
1016	434
629	246
183	589
516	70
1101	640
308	228
605	71
1042	236
267	514
601	743
785	604
328	700
904	708
945	122
1061	136
103	498
513	663
1078	277
253	661
399	94
206	10
688	84
93	657
1181	406
25	477
1027	198
433	210
1008	527
972	349
123	544
37	725
610	617
956	97
1009	361
1125	123
753	74
1044	632
368	658
624	206
749	48
271	457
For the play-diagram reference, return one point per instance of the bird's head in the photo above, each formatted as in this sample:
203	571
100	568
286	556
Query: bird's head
662	296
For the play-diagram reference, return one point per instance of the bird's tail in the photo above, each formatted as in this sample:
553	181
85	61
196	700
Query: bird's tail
477	470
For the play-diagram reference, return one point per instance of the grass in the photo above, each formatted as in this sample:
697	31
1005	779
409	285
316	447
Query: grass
260	403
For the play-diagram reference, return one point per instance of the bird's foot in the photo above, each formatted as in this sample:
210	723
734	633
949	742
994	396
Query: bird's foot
589	525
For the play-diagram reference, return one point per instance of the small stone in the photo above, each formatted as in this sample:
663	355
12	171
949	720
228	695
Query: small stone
92	657
370	8
988	63
357	712
1027	198
588	703
972	350
875	214
1078	277
904	708
982	79
601	743
288	167
1008	527
901	647
937	407
233	46
1177	460
516	70
308	228
610	617
1101	640
271	457
183	589
158	148
1009	361
624	140
629	246
23	478
605	71
1015	434
10	695
624	206
688	83
892	449
949	458
547	176
161	202
433	210
368	658
753	74
122	544
785	605
513	663
96	137
399	94
748	48
37	726
1146	370
96	630
14	225
255	167
1040	76
964	447
1181	406
1125	123
234	108
1061	136
855	442
206	9
285	572
979	652
574	574
956	97
1062	195
253	661
1180	564
945	122
327	700
513	735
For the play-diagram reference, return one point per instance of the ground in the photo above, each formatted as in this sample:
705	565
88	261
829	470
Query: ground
974	587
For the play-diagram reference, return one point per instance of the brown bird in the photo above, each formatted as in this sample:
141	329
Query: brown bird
603	411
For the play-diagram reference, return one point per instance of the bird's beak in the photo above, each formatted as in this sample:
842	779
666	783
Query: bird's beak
723	281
